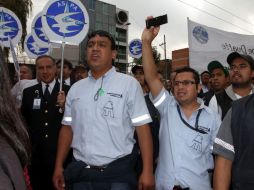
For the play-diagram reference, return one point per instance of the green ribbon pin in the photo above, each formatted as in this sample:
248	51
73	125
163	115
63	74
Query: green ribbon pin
101	92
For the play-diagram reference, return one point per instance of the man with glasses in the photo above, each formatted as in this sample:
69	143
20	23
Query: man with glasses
101	113
187	129
241	73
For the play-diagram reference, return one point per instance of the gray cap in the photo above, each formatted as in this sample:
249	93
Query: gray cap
232	56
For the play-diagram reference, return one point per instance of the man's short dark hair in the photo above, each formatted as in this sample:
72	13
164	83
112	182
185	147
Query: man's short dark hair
136	67
81	67
205	72
44	56
103	33
189	70
66	62
30	67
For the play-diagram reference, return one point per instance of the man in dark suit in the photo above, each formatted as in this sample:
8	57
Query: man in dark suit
42	108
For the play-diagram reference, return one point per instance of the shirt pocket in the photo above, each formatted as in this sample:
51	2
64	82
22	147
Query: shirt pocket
111	107
198	143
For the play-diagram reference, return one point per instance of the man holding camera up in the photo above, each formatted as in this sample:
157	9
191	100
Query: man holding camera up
187	129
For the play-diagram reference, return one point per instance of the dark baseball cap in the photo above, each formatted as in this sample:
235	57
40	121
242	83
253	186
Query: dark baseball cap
216	65
135	68
232	56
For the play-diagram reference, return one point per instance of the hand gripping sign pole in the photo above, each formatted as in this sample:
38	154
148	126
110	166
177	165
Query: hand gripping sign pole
65	22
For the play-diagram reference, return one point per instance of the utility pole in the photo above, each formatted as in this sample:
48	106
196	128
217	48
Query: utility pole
165	56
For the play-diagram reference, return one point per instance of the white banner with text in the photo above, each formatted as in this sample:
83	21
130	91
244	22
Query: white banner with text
207	44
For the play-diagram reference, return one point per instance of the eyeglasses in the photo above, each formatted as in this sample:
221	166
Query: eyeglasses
239	67
184	83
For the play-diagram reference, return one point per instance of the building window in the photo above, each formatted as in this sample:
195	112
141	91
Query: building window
121	35
112	30
111	20
121	52
105	27
92	4
99	17
105	9
98	26
105	19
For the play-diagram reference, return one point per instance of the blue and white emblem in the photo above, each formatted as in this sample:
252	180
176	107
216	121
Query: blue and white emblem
32	49
38	32
200	34
65	21
10	26
135	48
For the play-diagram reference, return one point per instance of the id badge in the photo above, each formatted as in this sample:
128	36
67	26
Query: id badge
37	104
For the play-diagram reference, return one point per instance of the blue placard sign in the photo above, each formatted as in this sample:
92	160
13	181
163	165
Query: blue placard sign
38	32
65	21
135	48
10	26
32	49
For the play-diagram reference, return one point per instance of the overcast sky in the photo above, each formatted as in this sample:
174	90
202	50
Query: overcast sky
176	30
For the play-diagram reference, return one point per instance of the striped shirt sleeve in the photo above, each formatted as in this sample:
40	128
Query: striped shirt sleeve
223	143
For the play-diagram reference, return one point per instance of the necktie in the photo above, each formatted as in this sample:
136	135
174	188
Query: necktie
46	93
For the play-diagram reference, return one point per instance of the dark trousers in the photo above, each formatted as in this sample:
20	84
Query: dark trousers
177	187
100	186
41	177
118	175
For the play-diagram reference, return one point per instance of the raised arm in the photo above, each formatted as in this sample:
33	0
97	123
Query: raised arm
150	69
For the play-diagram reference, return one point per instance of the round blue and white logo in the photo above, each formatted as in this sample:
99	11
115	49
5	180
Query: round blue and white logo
65	21
10	27
32	49
135	48
38	32
200	34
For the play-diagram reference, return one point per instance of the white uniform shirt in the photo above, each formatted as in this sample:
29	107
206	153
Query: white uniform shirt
184	154
103	123
17	89
50	88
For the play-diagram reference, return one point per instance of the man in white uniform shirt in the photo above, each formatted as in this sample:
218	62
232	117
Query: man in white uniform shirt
101	114
187	128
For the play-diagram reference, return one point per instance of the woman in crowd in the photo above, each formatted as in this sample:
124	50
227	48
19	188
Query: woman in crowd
14	140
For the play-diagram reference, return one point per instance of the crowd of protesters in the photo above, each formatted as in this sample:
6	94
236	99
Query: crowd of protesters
105	130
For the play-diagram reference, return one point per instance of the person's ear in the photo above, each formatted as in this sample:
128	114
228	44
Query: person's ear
199	88
114	54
